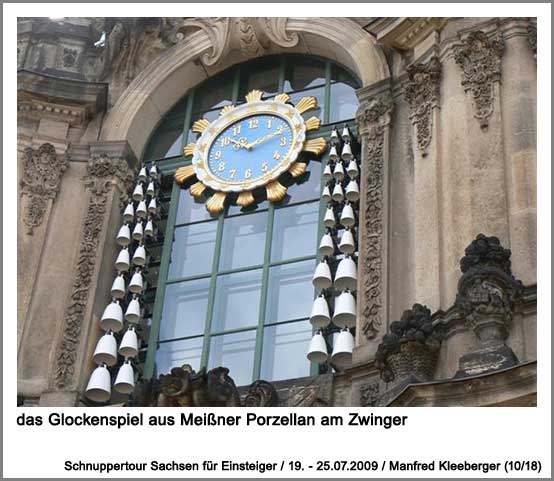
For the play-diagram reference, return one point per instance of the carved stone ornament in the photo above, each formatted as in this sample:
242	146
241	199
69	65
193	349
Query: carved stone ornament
369	394
183	387
251	36
42	173
532	39
411	348
373	116
422	92
480	57
102	173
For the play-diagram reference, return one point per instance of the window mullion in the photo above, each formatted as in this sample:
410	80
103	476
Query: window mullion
188	119
211	295
327	109
263	300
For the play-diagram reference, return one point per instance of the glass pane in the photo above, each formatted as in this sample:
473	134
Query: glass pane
185	306
236	353
344	102
339	74
290	291
262	74
303	74
189	210
193	249
215	92
307	186
243	241
237	300
318	93
177	353
284	351
167	140
295	231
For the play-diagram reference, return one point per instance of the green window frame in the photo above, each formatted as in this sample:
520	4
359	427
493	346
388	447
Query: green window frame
168	166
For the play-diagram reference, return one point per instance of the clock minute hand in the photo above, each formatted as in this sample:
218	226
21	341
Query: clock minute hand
264	138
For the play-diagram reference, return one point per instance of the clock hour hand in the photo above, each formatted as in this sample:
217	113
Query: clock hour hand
264	138
240	143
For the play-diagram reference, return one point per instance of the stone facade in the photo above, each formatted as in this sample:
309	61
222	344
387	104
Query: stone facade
447	127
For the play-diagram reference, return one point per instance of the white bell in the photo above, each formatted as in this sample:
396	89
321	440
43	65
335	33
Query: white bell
149	229
129	344
322	276
333	154
129	213
317	352
138	233
329	218
346	276
335	139
320	313
152	206
326	246
327	174
346	134
347	218
99	385
150	190
154	172
106	350
112	318
124	235
347	244
141	210
338	171
125	380
352	191
138	193
118	287
346	153
136	284
352	169
132	314
122	261
342	349
338	194
142	174
345	310
139	257
326	194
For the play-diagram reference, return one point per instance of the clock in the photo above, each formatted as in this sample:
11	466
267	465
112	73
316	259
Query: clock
248	148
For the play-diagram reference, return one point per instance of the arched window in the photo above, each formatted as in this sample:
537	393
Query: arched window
236	290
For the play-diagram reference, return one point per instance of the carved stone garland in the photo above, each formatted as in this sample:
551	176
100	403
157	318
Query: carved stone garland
102	174
373	116
422	92
480	57
42	173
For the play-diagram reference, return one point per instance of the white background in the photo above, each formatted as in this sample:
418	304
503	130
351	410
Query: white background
457	434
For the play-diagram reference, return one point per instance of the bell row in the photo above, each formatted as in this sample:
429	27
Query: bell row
337	171
112	317
141	211
344	314
346	219
136	285
346	245
123	261
99	387
352	192
346	277
139	193
345	136
106	350
153	173
124	234
343	346
345	154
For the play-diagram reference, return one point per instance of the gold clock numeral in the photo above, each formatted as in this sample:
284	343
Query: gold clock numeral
264	167
232	173
247	173
276	155
283	141
225	141
236	130
253	124
217	155
221	166
269	123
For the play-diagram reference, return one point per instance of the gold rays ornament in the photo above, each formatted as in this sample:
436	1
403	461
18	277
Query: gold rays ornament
247	148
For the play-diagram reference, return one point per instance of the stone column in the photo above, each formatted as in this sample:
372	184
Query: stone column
108	179
374	117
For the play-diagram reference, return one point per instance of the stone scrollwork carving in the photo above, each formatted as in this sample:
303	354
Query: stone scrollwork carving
480	57
250	35
422	92
373	116
532	38
369	394
102	173
42	173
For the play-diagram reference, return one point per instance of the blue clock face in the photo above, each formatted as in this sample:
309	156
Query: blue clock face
250	148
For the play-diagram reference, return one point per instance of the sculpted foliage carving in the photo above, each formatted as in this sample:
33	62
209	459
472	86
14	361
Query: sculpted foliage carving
480	57
42	173
422	92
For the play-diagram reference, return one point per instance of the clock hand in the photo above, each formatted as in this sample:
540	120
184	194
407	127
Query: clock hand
239	143
264	138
